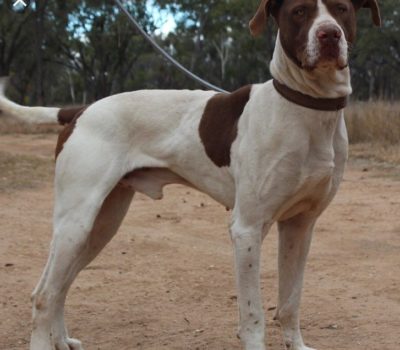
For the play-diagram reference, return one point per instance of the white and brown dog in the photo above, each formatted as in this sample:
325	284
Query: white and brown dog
273	152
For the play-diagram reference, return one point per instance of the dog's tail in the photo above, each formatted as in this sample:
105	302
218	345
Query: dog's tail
34	115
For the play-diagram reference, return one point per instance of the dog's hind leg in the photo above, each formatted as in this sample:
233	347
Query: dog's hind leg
294	242
87	216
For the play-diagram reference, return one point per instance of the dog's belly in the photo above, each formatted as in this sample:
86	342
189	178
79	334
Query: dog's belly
151	181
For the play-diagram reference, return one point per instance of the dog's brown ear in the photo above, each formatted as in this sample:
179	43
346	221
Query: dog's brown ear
376	14
373	6
259	21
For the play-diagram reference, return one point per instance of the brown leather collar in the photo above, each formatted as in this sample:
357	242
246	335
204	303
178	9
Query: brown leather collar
320	104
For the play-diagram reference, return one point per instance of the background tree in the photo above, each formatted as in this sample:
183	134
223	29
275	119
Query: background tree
63	52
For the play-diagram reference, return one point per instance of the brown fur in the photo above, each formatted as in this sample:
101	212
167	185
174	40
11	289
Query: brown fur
218	126
320	104
67	115
294	29
373	6
69	128
346	20
259	21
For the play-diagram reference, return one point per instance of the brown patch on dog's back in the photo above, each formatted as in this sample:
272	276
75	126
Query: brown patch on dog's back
67	115
218	125
69	128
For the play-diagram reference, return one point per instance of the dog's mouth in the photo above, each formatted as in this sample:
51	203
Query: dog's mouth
329	52
327	57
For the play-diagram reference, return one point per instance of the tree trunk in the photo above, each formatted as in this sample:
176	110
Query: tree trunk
39	94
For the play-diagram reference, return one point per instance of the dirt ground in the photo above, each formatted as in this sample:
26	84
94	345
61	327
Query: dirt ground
166	280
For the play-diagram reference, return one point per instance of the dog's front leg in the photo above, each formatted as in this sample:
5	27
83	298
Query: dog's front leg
247	238
294	242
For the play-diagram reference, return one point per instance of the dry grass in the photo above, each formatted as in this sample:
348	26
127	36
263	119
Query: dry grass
374	122
12	126
374	131
23	171
389	154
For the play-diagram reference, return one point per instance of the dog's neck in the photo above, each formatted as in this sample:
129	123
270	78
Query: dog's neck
319	83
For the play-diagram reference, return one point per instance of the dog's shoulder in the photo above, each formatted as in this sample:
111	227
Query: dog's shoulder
219	123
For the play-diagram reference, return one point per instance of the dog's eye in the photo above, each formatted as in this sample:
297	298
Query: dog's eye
300	12
342	9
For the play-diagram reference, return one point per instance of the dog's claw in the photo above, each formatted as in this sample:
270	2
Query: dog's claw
74	344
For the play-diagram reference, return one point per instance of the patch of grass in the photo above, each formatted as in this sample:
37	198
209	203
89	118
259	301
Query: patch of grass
374	131
18	172
376	152
375	122
13	126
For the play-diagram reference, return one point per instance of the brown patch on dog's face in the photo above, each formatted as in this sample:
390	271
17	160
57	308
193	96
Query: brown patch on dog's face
310	37
344	13
65	133
67	115
295	19
219	123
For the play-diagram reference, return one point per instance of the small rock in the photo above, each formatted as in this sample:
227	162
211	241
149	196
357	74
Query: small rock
331	326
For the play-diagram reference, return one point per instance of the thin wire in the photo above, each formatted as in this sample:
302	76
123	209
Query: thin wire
167	56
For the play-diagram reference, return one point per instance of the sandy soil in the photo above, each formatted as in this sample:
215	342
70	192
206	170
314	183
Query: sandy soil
166	280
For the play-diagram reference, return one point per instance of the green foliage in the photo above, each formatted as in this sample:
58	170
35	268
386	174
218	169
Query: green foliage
67	52
376	56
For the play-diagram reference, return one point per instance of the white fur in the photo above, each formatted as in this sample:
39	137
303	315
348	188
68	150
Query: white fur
320	82
313	44
286	165
33	115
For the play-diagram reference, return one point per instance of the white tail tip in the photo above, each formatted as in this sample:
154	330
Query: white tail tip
35	115
3	84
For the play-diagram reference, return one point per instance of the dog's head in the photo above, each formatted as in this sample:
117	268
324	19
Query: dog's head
314	33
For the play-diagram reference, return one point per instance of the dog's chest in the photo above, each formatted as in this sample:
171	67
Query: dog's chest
307	188
319	173
289	156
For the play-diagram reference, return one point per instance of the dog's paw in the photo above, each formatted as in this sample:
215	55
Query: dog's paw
72	344
293	347
64	344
